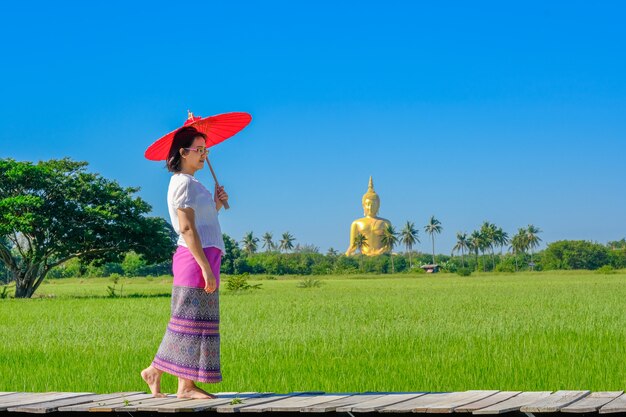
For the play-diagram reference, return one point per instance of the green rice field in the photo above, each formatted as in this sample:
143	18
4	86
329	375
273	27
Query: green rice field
531	331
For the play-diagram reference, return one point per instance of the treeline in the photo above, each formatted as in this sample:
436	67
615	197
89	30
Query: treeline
307	260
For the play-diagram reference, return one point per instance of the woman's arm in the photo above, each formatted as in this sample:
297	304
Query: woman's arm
187	226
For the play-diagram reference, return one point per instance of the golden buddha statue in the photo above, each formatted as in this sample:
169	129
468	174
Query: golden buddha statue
371	226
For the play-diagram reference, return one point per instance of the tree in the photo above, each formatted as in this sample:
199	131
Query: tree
519	244
389	239
132	264
575	254
488	232
360	242
433	227
617	244
332	252
267	242
462	244
53	211
232	254
533	241
250	243
501	238
476	244
409	237
286	243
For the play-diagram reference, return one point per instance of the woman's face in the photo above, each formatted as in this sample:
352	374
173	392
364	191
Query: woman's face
196	154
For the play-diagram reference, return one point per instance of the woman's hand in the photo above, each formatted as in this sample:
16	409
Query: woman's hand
210	283
220	196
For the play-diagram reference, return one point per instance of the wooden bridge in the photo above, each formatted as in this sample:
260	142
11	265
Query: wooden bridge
466	402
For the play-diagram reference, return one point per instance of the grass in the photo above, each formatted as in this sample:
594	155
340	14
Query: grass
536	331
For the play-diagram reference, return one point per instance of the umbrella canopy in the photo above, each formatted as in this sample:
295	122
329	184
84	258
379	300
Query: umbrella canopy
216	128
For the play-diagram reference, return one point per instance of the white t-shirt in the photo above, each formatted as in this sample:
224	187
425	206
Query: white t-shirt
186	191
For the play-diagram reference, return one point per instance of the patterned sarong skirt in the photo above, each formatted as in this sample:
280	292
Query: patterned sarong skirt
190	348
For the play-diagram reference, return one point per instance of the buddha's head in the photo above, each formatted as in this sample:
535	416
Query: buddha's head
371	201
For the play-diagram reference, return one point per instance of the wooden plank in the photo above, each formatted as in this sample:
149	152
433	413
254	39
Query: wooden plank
618	405
119	402
6	393
245	402
437	402
34	398
448	404
50	406
592	402
117	398
192	405
486	402
334	405
380	402
201	405
11	397
514	403
287	400
17	395
408	406
554	402
297	403
149	403
154	404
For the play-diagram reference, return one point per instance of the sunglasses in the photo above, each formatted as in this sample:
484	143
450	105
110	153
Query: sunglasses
200	149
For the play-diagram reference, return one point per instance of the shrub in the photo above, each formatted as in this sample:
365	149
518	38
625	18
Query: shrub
606	269
575	254
309	282
240	283
507	264
464	272
112	290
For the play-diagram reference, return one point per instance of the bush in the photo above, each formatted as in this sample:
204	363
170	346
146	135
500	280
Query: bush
575	254
606	269
507	264
240	283
112	290
346	265
464	272
309	282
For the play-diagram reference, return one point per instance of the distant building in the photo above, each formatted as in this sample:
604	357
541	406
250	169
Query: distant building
430	268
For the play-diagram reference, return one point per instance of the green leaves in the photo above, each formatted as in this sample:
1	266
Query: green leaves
59	211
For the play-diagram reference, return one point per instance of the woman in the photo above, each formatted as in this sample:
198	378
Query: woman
190	348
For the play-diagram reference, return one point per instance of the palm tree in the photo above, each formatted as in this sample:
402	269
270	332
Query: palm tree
409	237
488	232
462	244
389	239
250	243
519	243
501	238
475	244
286	243
433	226
360	242
533	241
267	241
332	252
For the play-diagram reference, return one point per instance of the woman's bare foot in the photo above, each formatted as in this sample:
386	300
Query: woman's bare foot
152	376
194	392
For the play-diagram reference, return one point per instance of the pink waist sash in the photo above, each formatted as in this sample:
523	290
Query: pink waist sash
187	272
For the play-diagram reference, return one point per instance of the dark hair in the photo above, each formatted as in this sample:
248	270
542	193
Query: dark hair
182	139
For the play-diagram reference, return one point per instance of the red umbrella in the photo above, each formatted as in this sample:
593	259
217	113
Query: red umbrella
216	128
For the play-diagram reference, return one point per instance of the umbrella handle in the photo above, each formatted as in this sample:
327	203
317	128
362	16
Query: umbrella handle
217	184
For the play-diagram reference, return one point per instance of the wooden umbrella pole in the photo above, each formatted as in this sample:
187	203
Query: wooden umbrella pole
217	184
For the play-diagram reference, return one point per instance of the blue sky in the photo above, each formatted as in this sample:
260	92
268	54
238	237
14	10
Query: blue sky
469	111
